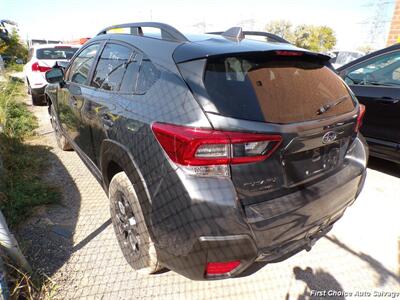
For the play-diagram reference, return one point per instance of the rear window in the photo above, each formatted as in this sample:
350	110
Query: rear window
56	53
275	89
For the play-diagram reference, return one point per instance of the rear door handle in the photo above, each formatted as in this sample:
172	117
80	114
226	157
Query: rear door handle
107	121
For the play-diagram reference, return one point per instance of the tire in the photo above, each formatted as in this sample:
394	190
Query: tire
62	142
130	228
29	88
36	99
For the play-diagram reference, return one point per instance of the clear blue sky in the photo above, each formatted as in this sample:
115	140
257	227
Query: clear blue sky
73	19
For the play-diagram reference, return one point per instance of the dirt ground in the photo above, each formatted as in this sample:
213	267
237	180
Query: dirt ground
74	244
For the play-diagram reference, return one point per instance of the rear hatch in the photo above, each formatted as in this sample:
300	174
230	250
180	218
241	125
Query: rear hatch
50	55
46	58
304	183
291	93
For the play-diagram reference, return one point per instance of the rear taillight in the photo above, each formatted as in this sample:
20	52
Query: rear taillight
38	68
205	151
221	268
360	117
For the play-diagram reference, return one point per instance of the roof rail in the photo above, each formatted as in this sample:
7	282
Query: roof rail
167	32
268	35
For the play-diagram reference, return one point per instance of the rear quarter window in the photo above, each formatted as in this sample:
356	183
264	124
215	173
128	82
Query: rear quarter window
274	89
148	75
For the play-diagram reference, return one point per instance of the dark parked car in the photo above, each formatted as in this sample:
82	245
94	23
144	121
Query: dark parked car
219	154
375	80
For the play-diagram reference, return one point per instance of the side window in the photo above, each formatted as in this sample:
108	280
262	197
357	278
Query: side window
383	70
80	67
128	84
111	68
148	75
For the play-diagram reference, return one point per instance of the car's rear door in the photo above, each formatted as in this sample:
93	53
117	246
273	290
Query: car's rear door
376	83
114	78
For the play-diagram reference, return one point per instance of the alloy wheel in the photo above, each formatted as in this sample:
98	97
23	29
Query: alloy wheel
127	224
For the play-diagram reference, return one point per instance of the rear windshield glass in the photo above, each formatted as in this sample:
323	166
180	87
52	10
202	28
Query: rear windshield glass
275	89
56	53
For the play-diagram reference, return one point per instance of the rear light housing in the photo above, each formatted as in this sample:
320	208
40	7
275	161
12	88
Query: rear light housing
360	117
209	152
220	268
38	68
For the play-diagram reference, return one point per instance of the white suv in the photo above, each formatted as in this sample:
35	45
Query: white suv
42	58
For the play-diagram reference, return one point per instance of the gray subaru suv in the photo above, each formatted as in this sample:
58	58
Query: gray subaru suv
219	153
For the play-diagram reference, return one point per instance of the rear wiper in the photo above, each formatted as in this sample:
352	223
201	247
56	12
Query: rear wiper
324	108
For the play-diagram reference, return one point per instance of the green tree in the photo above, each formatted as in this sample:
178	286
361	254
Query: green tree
281	28
14	47
315	38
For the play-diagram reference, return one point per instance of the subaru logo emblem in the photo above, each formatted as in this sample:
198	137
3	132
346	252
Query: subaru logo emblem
329	137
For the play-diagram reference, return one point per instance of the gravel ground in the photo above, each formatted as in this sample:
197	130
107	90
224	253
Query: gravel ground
75	244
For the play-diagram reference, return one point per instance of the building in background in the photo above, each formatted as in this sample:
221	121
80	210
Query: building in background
394	33
80	41
34	42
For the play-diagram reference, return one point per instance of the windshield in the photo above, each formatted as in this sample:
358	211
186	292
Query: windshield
382	70
343	58
279	90
56	53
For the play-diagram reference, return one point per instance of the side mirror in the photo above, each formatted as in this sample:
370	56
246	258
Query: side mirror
55	75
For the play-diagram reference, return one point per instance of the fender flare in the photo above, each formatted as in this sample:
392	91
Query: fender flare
112	151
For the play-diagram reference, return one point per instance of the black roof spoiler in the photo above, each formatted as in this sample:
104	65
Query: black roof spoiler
242	34
188	51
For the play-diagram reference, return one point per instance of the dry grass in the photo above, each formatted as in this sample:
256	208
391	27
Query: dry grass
21	184
31	287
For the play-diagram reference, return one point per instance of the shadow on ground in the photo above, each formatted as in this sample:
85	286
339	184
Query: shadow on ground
320	281
384	166
383	273
46	238
317	282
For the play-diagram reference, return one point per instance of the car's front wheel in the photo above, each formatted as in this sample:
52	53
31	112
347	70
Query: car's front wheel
130	228
36	100
62	142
